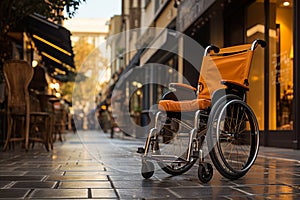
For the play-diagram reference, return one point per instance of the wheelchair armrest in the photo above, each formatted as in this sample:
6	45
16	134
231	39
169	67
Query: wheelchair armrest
182	86
180	91
234	85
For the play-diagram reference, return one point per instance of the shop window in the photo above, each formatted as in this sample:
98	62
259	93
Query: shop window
280	98
281	65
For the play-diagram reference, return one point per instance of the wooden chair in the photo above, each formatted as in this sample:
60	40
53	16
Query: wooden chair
22	120
59	126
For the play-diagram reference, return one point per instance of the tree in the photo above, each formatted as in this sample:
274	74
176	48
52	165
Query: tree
89	62
14	11
81	50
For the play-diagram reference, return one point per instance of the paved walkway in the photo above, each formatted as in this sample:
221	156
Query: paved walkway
91	165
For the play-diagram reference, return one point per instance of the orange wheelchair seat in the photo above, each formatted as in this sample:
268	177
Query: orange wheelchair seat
230	65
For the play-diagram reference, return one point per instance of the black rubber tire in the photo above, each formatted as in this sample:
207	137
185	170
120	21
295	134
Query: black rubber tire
205	172
147	170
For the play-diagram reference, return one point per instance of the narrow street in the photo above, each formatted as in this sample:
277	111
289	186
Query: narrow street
91	165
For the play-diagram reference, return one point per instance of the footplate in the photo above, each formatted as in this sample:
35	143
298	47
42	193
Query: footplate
167	159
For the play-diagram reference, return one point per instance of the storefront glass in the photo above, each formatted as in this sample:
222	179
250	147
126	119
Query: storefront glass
280	100
281	65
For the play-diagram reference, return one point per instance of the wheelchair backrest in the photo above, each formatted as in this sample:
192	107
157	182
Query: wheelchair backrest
230	64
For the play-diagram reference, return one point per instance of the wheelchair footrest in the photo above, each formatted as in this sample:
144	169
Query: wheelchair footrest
141	150
168	159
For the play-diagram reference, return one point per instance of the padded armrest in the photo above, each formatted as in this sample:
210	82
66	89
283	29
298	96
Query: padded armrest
234	85
182	86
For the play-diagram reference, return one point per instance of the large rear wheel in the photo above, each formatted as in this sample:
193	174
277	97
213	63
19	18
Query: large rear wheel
234	134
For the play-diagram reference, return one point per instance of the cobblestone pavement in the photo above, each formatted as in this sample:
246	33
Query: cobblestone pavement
91	165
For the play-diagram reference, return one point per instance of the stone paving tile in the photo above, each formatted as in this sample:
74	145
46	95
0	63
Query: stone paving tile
206	191
84	173
33	185
59	193
106	168
144	183
146	193
77	178
21	178
4	183
28	165
295	182
249	181
9	173
81	168
44	173
269	189
103	193
280	196
35	169
284	153
85	184
128	178
13	193
8	169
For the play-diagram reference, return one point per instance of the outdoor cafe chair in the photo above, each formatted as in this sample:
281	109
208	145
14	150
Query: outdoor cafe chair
25	123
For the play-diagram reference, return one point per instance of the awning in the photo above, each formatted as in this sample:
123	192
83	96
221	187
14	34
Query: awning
53	42
165	43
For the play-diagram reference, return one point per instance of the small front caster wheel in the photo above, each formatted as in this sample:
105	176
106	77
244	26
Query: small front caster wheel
147	169
205	172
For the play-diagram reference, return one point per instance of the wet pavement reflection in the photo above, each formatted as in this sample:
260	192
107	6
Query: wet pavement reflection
91	165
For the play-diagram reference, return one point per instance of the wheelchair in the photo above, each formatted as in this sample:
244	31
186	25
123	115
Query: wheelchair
215	116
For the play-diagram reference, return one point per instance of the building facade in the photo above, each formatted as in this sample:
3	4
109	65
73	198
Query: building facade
274	76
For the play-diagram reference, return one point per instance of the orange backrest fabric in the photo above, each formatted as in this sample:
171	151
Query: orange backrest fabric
231	63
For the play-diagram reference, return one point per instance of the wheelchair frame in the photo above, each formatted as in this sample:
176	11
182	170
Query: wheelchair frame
224	123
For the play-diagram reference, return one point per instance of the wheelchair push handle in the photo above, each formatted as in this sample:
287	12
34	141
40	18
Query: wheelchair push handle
257	42
211	47
216	49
